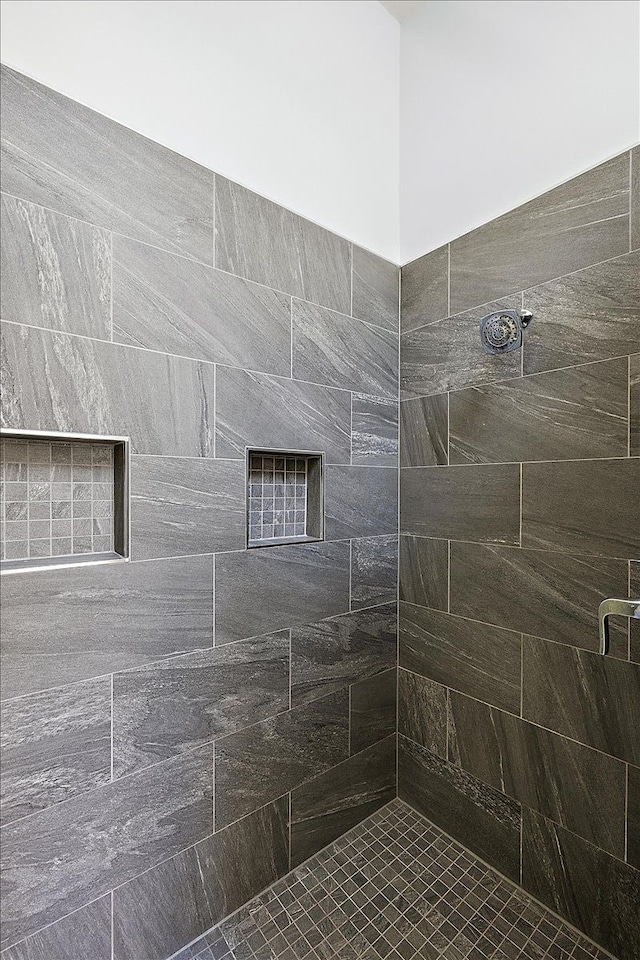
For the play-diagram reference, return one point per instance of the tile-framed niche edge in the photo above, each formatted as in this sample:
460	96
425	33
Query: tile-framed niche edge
314	495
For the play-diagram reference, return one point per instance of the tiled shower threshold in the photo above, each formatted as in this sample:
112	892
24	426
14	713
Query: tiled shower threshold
395	887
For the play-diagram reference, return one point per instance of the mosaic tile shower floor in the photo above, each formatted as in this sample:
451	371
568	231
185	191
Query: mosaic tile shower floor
393	887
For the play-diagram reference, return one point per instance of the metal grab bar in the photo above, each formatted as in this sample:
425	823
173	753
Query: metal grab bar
614	608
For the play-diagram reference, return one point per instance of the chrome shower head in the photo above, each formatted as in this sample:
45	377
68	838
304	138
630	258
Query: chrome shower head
501	332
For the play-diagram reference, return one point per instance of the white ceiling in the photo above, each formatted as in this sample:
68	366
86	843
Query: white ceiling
402	9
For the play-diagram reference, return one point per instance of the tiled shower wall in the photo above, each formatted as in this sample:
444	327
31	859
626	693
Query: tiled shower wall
178	730
520	511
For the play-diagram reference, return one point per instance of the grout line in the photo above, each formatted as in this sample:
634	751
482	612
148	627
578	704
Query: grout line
506	463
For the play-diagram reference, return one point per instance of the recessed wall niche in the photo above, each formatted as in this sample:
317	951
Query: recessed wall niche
285	501
64	499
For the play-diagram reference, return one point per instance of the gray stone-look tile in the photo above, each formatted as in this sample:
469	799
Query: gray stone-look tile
84	933
76	624
425	289
483	819
56	272
208	881
329	655
422	712
374	431
182	506
474	658
71	853
634	406
590	315
569	414
267	760
480	502
375	289
581	222
424	431
374	571
635	198
56	382
424	572
373	710
184	702
337	800
277	587
174	305
360	501
340	351
273	413
633	818
54	745
62	155
634	625
589	506
260	240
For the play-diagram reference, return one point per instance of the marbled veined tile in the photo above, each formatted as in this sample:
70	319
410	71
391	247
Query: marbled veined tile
593	890
85	933
577	787
77	851
634	625
634	406
280	587
54	745
174	705
360	501
425	289
424	431
374	571
593	314
337	800
422	712
260	240
581	222
209	881
374	431
184	506
62	155
329	655
562	415
635	198
474	658
633	818
178	306
424	572
270	758
339	351
373	710
77	625
375	289
589	506
483	819
538	592
57	382
56	272
270	412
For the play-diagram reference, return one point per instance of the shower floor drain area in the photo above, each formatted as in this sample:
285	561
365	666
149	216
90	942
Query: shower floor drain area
393	887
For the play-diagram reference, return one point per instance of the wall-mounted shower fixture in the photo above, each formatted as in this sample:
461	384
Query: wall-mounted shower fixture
614	608
501	332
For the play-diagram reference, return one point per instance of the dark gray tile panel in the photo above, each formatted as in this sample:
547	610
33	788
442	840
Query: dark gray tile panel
422	712
425	289
635	198
373	710
634	625
374	571
634	405
424	431
360	502
85	933
633	818
424	572
375	289
374	431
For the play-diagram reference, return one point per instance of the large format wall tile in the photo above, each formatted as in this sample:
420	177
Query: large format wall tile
424	431
175	305
269	412
54	745
633	818
534	591
579	788
482	818
262	241
62	155
328	656
374	431
269	759
84	933
375	289
76	625
464	503
76	851
584	221
57	382
374	571
474	658
337	800
593	890
563	415
360	502
339	351
208	881
425	289
184	506
590	315
56	272
280	587
582	507
184	702
634	406
422	712
424	572
373	710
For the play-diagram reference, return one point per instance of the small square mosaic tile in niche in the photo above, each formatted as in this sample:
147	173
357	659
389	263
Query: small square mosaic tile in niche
283	497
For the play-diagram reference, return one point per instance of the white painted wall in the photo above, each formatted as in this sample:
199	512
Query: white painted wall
296	100
501	101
